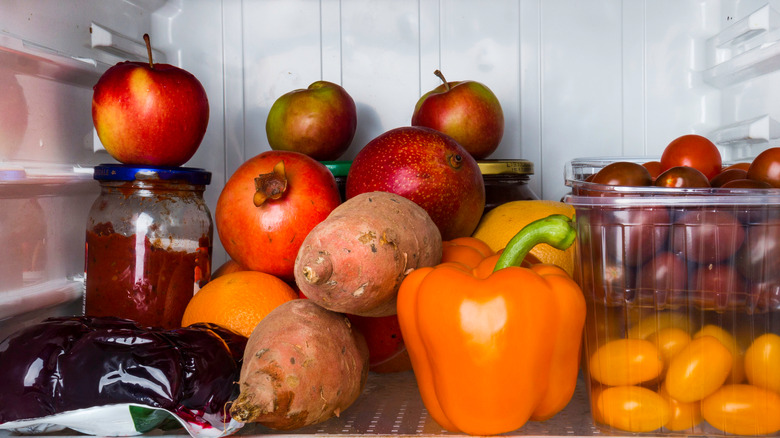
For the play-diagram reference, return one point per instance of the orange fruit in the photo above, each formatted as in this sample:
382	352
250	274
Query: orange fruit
238	300
498	226
226	268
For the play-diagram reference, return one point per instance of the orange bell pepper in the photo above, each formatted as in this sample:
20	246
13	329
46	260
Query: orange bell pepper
494	344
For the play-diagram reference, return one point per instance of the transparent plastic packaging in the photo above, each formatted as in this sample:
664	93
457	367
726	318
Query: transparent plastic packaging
148	243
683	293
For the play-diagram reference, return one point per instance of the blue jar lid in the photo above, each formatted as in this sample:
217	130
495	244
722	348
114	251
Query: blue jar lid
132	172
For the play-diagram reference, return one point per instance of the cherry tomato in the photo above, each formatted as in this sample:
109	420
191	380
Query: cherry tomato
746	183
743	410
728	175
682	177
631	235
762	362
633	408
663	279
766	167
654	167
698	370
718	287
693	151
757	258
745	165
623	173
706	235
737	356
626	362
648	325
682	416
670	341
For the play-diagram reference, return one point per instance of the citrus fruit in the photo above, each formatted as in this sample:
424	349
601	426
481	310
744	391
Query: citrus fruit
238	300
226	268
500	224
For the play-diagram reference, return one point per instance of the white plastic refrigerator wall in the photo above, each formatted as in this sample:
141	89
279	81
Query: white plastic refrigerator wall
575	78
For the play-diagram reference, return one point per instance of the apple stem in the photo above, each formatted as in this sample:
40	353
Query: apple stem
149	49
441	76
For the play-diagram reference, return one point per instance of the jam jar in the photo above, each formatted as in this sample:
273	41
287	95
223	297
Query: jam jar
148	243
340	170
505	181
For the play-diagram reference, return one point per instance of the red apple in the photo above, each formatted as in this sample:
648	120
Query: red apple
319	121
150	114
428	168
466	111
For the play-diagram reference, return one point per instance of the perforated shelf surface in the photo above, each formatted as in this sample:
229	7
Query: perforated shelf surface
391	406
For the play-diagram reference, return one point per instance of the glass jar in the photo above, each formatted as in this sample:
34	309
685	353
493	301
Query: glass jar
148	243
506	181
340	170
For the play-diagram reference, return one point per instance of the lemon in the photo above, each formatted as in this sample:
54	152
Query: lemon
499	225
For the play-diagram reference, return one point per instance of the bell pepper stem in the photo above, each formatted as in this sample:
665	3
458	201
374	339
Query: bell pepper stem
556	230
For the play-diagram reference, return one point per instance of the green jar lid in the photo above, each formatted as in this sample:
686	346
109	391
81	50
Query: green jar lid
496	167
338	168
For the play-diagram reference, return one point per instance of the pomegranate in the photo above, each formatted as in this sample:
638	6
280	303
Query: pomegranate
269	205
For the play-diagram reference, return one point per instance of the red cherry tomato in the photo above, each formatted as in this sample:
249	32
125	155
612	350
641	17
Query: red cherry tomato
728	175
744	165
682	177
654	167
693	151
746	184
766	167
623	173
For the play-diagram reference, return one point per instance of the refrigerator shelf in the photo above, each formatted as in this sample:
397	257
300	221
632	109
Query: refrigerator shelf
745	50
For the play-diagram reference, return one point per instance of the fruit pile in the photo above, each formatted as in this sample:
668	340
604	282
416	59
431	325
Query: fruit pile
678	264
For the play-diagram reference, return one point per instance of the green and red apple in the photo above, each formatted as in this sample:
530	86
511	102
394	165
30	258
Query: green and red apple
428	168
150	114
466	111
319	121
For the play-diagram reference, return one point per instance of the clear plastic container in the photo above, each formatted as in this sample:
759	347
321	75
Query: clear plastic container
683	291
148	243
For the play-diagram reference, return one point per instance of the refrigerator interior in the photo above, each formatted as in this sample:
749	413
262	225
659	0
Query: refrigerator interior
575	79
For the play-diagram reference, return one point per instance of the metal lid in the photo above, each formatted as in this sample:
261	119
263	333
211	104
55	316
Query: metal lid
131	172
496	167
338	168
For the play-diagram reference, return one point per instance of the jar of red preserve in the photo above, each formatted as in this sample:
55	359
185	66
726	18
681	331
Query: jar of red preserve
148	246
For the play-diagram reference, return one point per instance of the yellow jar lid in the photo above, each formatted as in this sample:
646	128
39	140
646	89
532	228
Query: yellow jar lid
496	167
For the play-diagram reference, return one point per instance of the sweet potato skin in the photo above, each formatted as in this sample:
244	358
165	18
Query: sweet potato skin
303	364
355	260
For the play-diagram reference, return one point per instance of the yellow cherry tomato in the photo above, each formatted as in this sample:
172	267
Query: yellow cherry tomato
682	415
595	396
737	365
698	370
743	410
659	321
670	341
762	362
633	408
626	362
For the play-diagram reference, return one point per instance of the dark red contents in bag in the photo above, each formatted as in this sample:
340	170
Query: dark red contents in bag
62	364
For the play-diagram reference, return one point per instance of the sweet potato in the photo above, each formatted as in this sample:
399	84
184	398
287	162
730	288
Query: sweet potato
303	364
355	260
